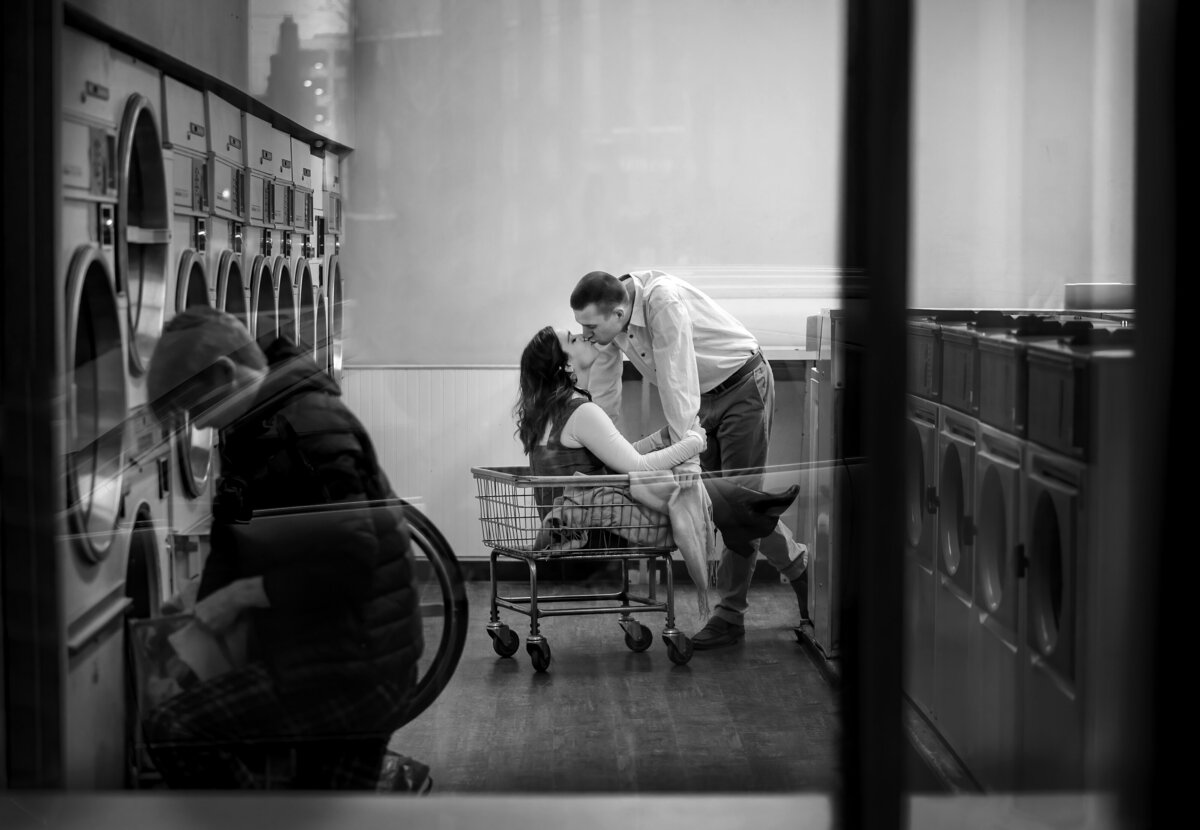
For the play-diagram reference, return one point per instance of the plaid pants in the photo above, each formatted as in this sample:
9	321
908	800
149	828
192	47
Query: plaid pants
212	735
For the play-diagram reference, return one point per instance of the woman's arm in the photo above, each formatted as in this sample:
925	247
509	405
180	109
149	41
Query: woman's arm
589	427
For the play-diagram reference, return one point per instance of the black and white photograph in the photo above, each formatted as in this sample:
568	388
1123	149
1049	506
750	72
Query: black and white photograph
592	413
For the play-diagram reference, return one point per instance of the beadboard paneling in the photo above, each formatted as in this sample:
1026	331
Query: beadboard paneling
430	425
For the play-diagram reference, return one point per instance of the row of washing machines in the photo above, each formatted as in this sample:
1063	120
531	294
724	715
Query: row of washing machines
172	196
1019	452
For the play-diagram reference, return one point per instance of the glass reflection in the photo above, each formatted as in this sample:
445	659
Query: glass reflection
300	62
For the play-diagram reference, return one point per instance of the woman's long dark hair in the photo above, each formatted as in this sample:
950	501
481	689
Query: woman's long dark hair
546	387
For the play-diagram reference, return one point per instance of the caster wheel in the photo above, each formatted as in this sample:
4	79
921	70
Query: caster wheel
637	636
539	654
504	640
680	651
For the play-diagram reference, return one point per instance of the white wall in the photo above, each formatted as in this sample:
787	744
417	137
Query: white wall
503	149
1023	150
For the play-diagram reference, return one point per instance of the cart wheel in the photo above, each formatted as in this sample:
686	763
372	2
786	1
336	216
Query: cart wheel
504	640
680	651
643	639
539	653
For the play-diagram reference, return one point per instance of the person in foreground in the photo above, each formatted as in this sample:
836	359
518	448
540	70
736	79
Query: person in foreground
711	375
335	630
564	433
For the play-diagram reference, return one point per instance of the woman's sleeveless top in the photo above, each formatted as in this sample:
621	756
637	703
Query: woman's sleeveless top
554	459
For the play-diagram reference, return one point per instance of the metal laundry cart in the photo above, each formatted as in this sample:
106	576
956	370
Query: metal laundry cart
542	518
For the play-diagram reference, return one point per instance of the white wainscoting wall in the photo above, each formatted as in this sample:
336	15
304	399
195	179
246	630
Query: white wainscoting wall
430	426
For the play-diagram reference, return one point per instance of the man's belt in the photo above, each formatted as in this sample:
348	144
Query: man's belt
732	381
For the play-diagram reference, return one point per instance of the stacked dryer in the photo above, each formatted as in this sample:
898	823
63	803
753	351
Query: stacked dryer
921	508
113	254
283	275
305	271
193	454
954	591
332	235
261	243
227	191
316	261
1077	543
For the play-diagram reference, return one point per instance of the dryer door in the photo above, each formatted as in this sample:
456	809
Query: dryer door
231	287
143	229
1054	504
96	403
956	480
263	307
281	277
335	316
995	559
920	472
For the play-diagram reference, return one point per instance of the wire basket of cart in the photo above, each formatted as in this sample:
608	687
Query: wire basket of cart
537	519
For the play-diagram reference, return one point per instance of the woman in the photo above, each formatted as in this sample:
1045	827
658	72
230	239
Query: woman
564	433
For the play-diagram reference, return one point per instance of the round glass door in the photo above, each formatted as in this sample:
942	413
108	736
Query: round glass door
335	311
231	288
193	446
992	546
322	350
143	229
1047	585
285	298
306	332
97	404
262	301
951	511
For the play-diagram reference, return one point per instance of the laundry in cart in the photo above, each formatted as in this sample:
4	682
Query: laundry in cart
644	516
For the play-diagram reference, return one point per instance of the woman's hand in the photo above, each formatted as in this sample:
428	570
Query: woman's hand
688	472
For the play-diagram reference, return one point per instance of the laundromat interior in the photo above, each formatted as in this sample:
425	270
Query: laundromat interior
950	225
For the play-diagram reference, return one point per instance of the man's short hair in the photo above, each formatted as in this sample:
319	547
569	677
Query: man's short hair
601	288
191	342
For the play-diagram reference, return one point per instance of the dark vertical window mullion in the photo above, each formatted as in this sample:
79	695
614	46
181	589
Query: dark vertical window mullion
1156	785
874	258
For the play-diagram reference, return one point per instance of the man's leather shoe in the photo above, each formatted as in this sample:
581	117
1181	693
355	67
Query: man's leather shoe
800	586
716	633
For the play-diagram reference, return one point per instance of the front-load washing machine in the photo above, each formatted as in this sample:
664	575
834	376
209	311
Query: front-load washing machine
1080	549
114	233
954	597
992	751
920	547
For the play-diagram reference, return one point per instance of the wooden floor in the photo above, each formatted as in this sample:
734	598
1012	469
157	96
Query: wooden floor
758	717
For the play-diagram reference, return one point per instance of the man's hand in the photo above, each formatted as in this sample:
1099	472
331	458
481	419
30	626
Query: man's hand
688	472
221	608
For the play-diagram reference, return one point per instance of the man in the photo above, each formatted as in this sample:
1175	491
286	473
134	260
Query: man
709	371
327	582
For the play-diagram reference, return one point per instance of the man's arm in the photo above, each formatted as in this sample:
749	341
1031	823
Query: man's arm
604	381
674	360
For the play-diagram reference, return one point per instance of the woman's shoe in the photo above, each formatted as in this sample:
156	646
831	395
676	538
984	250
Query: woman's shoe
773	504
